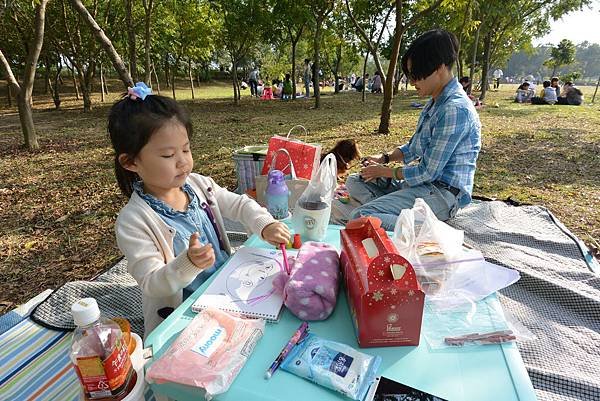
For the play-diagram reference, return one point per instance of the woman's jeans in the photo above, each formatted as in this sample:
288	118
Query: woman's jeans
386	198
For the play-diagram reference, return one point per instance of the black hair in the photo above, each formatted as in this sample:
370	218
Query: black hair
523	85
131	124
287	77
569	83
554	79
428	52
546	84
466	80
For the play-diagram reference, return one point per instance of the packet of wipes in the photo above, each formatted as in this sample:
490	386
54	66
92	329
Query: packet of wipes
333	365
209	353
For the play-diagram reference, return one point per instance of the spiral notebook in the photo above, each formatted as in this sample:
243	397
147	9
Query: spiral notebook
245	285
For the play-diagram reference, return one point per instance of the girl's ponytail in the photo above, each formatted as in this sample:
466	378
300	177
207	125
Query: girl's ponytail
125	178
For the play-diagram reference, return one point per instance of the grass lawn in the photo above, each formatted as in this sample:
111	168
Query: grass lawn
58	205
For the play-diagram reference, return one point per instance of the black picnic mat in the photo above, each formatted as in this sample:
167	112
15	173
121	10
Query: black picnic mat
115	290
557	297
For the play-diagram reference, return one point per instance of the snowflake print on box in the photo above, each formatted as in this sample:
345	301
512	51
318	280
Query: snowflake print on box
385	311
305	156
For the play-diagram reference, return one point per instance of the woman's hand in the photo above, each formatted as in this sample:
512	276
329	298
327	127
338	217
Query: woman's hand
374	159
201	256
276	233
374	171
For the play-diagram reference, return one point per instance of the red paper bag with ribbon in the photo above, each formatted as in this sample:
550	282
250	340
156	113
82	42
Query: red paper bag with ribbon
305	156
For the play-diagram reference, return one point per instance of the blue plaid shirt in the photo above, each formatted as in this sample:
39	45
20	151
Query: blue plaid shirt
446	143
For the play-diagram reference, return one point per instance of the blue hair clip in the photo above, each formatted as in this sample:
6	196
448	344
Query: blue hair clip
140	90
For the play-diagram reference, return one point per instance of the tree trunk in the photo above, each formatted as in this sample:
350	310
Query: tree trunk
55	87
156	78
148	38
85	89
388	92
236	99
364	72
486	64
173	71
8	95
397	76
337	68
167	72
554	71
596	90
104	42
47	82
316	78
24	92
75	85
101	84
294	70
191	77
131	39
474	58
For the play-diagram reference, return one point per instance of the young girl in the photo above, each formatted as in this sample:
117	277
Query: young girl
171	231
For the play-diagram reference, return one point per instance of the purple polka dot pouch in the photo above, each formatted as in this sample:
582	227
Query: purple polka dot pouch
310	292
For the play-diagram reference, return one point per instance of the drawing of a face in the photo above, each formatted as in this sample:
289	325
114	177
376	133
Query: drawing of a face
249	279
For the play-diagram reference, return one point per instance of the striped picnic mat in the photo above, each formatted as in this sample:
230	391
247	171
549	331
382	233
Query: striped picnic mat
35	365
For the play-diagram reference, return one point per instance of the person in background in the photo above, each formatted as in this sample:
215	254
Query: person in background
253	81
360	83
497	76
466	84
554	84
377	86
549	95
171	230
306	77
524	93
288	89
439	160
570	95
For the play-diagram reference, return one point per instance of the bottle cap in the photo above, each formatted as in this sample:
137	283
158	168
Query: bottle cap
297	241
85	311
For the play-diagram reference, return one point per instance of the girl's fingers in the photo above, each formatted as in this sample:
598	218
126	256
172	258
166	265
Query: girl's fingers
200	251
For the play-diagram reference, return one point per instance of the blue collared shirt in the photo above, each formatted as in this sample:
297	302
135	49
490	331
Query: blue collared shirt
195	218
446	143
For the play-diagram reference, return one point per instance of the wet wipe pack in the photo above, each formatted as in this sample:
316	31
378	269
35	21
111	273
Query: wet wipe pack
333	365
209	353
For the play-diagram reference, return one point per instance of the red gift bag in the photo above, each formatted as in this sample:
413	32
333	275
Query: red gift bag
386	311
305	156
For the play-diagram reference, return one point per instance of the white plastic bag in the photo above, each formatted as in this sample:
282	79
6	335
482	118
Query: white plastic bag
313	208
428	244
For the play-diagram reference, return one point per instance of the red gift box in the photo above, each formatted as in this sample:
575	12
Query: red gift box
385	311
305	156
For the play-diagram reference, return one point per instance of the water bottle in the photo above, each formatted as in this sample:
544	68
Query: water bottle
100	355
277	195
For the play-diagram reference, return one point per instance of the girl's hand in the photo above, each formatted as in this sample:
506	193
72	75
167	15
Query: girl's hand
374	171
276	233
201	256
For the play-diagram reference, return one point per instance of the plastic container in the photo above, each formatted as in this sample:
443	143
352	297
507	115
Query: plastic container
137	360
311	219
99	353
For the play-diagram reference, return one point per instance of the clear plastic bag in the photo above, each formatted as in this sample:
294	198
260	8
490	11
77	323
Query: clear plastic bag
209	353
313	208
428	244
469	324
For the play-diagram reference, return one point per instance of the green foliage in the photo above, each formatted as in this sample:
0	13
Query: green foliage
562	54
572	76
